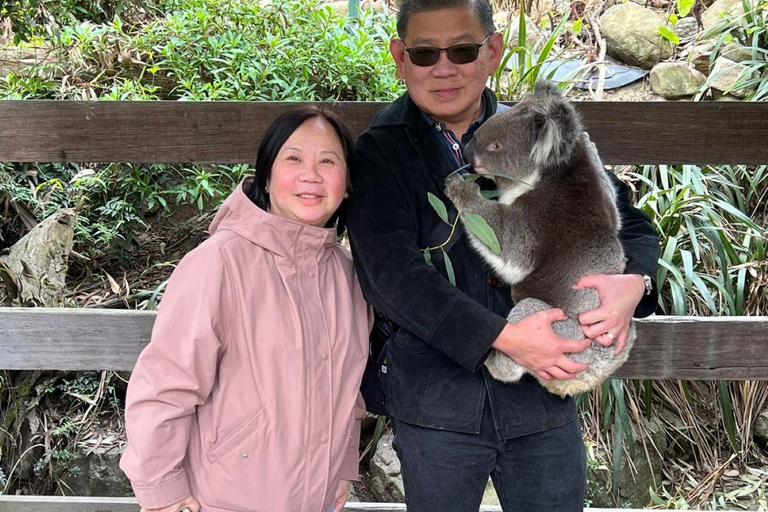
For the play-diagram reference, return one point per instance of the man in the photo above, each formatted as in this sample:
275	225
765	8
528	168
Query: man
454	424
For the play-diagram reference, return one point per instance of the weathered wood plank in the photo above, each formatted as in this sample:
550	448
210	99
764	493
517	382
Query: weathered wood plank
85	504
72	339
668	347
229	132
66	504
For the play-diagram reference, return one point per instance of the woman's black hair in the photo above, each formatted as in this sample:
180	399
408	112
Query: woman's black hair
275	137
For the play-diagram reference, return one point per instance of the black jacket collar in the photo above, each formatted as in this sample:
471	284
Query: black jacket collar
404	112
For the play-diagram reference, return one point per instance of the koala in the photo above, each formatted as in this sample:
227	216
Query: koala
556	221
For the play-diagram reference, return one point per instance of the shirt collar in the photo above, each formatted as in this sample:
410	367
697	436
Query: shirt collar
485	113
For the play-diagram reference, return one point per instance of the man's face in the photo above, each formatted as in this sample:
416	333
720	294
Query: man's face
446	91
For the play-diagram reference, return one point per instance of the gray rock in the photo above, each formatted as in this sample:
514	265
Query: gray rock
719	96
632	35
686	29
699	57
738	53
386	480
98	474
35	270
724	74
490	497
636	478
761	430
675	80
720	8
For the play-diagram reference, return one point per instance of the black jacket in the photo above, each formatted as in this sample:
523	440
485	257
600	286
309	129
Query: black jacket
443	333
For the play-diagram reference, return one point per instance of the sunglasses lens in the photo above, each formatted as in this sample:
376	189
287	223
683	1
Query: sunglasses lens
463	53
424	56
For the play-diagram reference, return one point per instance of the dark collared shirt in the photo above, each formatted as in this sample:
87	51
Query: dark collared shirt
452	146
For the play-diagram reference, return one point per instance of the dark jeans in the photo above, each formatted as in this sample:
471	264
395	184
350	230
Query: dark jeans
447	471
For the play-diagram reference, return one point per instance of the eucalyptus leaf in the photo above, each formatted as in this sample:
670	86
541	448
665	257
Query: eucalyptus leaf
438	206
480	228
449	268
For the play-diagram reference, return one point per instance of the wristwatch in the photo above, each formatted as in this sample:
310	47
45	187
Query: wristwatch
648	284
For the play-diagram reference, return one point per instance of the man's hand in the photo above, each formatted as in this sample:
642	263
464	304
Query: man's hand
189	502
533	343
619	296
342	491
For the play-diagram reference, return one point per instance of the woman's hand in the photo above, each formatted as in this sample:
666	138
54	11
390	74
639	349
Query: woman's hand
188	502
342	491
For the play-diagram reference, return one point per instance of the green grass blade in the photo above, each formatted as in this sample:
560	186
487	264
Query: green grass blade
726	407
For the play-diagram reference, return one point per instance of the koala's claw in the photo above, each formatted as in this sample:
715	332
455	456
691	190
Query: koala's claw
461	192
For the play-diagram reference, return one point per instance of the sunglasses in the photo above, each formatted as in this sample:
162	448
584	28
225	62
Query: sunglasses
458	54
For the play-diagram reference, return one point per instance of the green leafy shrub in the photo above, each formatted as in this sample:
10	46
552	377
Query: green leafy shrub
749	29
113	201
222	50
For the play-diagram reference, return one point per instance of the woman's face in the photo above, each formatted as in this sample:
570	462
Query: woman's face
309	176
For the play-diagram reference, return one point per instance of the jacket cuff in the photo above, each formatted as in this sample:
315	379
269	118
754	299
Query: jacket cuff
350	469
165	493
647	305
466	332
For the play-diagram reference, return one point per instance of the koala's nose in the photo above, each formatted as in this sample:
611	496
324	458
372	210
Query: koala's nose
469	151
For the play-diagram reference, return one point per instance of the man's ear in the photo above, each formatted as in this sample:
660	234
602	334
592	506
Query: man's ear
397	50
495	47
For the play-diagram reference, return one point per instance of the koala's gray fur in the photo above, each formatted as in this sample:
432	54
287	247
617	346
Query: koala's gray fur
556	221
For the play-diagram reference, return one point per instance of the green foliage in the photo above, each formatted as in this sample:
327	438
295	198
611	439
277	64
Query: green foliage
684	7
295	50
113	201
522	65
438	206
667	33
480	228
750	30
21	13
31	18
710	247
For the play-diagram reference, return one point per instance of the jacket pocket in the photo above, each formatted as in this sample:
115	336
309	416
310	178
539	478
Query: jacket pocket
410	343
250	427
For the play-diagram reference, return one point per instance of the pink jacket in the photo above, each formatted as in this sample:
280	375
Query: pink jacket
247	395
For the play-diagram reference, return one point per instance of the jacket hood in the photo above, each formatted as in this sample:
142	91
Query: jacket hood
276	234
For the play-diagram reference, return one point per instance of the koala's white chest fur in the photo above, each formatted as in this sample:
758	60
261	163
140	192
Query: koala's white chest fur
507	271
510	194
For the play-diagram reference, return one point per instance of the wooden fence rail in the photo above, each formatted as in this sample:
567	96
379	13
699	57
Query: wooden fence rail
80	504
229	132
97	339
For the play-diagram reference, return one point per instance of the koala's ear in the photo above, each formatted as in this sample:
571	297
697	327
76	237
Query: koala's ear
555	124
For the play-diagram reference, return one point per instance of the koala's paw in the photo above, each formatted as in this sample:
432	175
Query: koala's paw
461	192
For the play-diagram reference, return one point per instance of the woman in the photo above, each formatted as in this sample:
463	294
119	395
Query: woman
246	398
